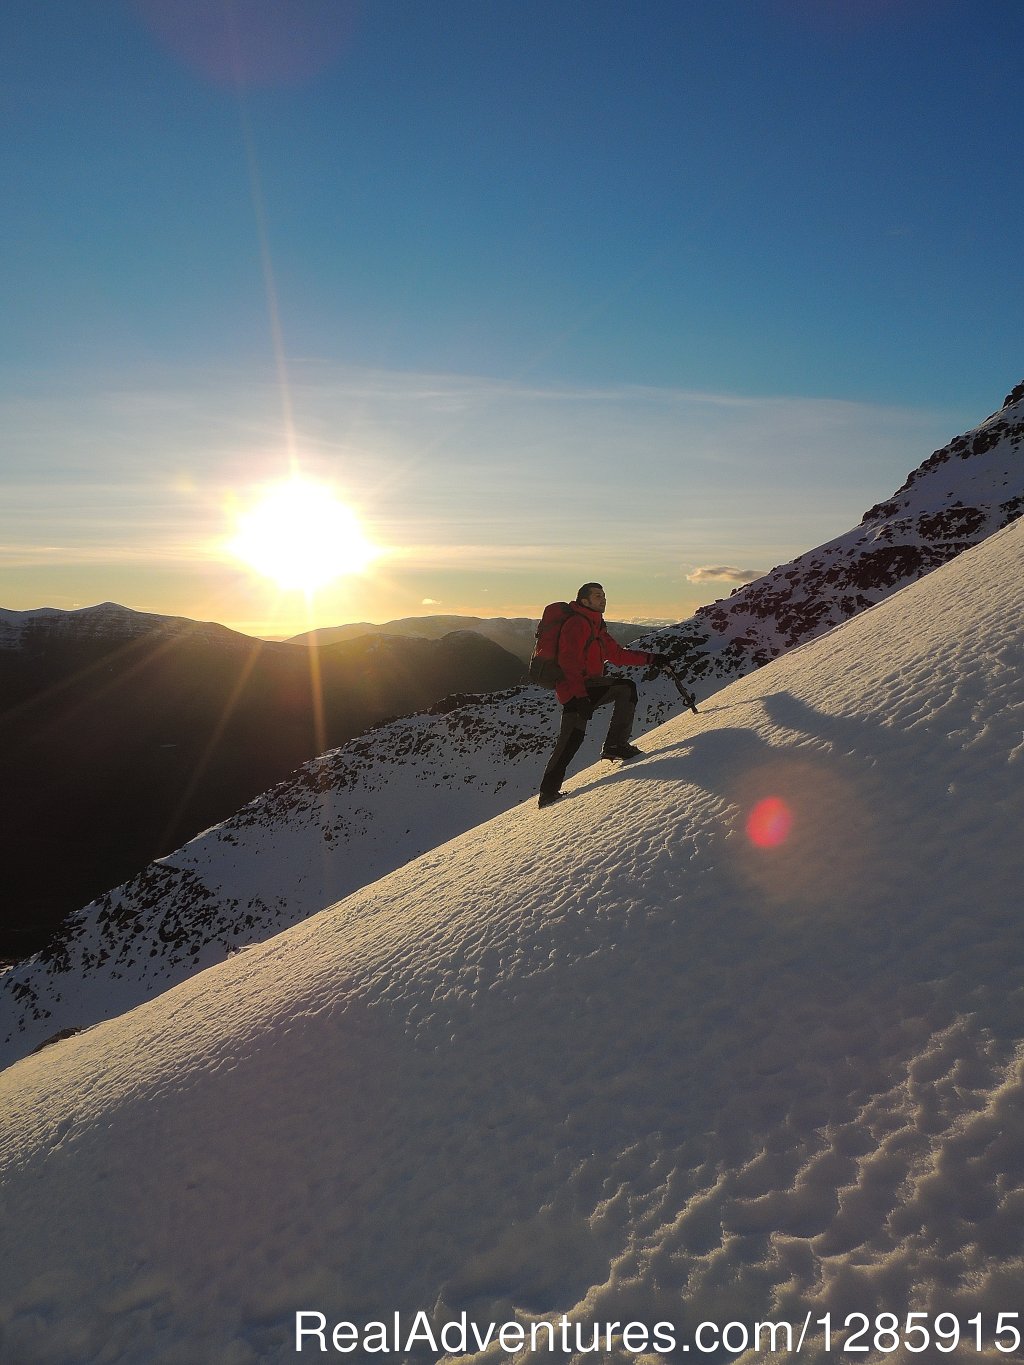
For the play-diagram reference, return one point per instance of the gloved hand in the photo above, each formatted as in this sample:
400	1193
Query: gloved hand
658	662
580	706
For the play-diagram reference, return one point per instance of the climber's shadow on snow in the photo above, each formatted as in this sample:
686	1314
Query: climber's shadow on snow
844	826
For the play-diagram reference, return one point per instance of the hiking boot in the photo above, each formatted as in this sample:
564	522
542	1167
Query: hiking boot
624	752
548	799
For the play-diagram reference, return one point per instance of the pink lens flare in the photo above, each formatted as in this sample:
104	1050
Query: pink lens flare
769	823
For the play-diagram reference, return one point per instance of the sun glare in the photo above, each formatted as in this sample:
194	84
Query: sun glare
301	536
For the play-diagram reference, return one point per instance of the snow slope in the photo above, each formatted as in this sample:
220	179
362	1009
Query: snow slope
391	795
626	1066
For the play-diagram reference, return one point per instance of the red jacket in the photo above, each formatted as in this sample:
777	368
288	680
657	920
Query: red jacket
583	648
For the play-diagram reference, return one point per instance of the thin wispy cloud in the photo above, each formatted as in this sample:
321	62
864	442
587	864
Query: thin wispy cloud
726	573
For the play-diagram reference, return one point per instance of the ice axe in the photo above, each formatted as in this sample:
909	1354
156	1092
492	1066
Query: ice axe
688	697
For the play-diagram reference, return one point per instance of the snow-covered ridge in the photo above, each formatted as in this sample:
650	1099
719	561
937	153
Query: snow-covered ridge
629	1065
956	498
343	820
107	620
398	791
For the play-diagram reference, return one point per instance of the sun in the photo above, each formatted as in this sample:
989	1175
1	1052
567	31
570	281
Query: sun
299	534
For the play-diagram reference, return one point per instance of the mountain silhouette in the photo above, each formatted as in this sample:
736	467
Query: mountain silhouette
123	734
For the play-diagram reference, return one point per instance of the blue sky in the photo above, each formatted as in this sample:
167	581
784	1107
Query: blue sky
547	291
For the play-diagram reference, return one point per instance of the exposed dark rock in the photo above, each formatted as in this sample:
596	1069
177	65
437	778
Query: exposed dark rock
56	1038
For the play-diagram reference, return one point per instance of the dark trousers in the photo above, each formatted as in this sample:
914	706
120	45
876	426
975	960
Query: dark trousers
620	694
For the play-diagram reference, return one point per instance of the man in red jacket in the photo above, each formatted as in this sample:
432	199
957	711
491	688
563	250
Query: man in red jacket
584	646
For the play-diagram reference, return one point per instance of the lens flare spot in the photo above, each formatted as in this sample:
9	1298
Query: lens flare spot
769	823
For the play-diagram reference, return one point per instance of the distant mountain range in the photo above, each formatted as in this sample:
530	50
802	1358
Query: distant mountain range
516	633
122	734
379	800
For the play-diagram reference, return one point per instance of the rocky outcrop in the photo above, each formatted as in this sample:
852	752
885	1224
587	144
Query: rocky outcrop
957	497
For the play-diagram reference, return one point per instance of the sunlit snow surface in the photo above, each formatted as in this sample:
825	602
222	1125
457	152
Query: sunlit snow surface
622	1064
